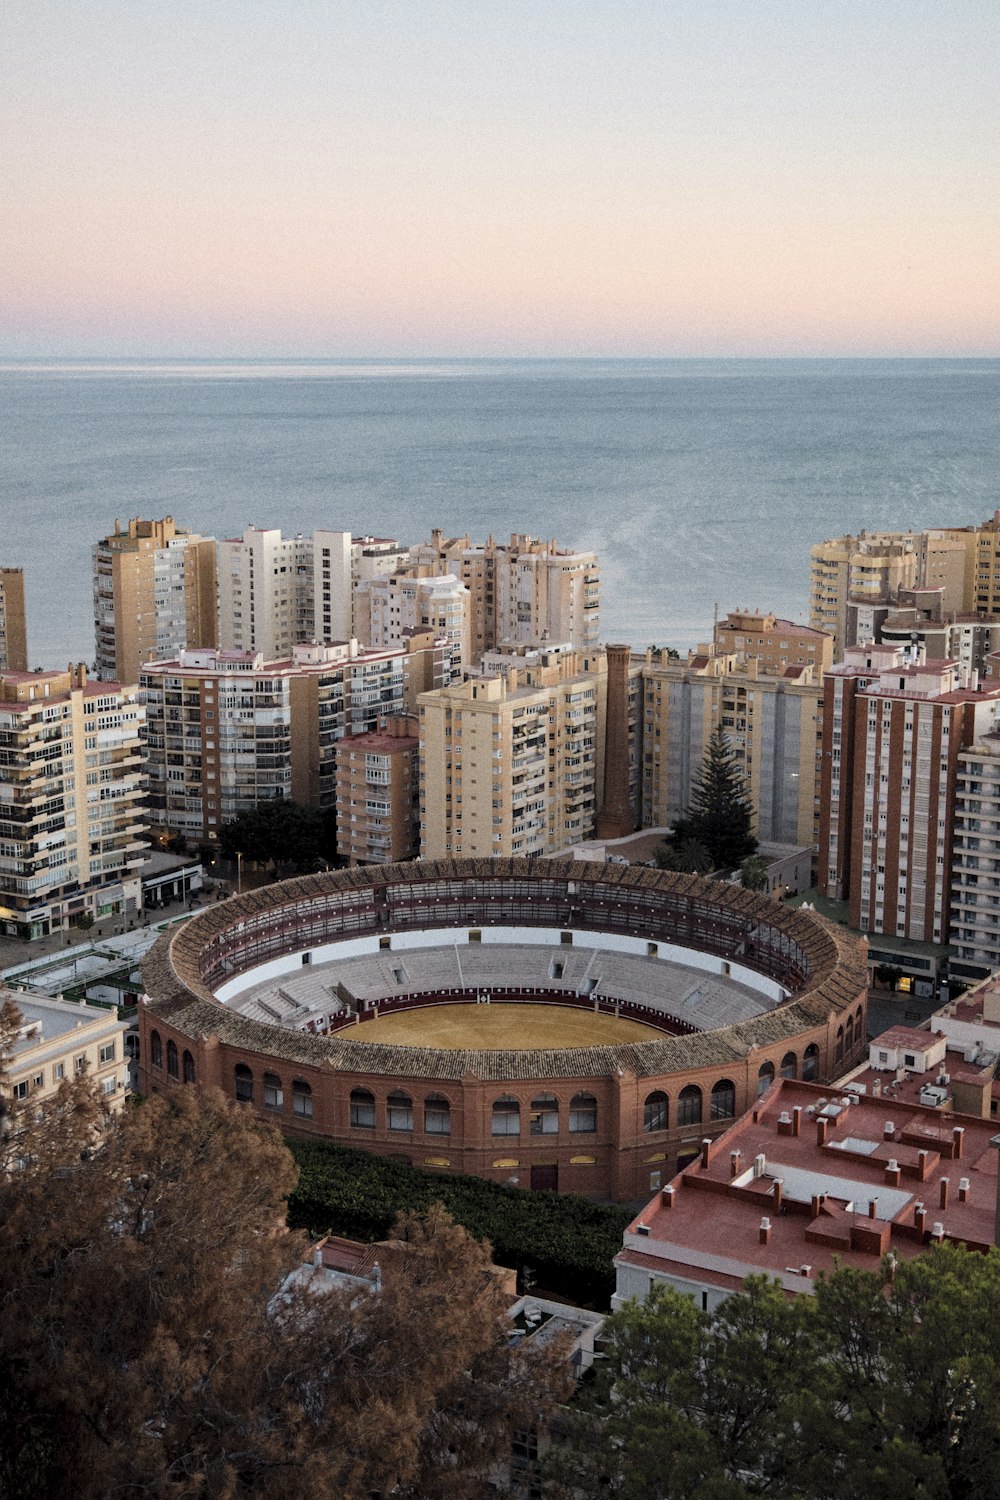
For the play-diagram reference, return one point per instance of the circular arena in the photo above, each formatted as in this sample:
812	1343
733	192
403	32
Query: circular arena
556	1024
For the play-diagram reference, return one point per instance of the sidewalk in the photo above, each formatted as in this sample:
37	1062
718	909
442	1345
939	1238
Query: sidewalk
112	932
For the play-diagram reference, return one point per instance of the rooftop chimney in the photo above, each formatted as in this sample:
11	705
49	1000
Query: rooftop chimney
706	1143
667	1197
943	1193
735	1157
821	1125
616	818
963	1190
796	1119
919	1217
892	1172
764	1233
957	1136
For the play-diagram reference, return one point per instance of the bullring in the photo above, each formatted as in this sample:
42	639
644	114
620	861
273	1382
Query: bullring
610	1120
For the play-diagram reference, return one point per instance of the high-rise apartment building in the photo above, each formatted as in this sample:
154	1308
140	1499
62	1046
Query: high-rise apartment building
388	608
154	593
525	592
771	722
894	729
13	622
72	826
512	763
228	729
870	568
378	806
975	874
277	592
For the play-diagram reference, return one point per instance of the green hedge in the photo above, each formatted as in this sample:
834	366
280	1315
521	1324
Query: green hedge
567	1241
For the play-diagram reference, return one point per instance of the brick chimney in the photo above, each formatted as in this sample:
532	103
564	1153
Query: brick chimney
616	818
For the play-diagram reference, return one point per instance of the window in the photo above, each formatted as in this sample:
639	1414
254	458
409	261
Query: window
108	1085
437	1115
302	1099
20	1090
188	1066
244	1084
108	1052
156	1049
506	1116
399	1111
810	1062
172	1067
274	1096
765	1078
582	1114
789	1065
362	1109
839	1049
80	1064
545	1115
656	1112
689	1106
723	1100
59	1072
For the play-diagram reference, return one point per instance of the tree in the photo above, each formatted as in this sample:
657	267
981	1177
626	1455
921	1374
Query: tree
753	873
690	856
720	815
889	975
145	1348
885	1384
281	833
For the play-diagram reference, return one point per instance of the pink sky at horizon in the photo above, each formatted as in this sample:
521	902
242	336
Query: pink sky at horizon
593	178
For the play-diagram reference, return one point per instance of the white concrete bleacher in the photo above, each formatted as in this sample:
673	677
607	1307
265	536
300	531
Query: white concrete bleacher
695	996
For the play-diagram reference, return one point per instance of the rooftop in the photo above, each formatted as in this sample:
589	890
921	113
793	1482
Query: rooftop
809	1180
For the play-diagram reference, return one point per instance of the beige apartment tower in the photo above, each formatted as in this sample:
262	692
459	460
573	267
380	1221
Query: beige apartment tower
154	594
72	825
13	622
527	591
771	722
514	763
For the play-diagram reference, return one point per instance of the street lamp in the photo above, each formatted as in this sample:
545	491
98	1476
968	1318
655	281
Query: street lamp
239	873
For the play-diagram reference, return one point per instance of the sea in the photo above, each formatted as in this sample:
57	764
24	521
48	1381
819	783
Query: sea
702	484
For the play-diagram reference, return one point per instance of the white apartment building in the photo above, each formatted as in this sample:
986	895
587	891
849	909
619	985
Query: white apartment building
276	592
524	592
389	608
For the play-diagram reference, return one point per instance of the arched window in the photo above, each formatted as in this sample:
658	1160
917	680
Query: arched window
506	1116
362	1109
689	1105
437	1115
839	1049
765	1077
188	1066
302	1099
789	1065
244	1084
399	1110
545	1115
155	1049
656	1112
723	1100
810	1062
849	1036
582	1114
172	1066
274	1096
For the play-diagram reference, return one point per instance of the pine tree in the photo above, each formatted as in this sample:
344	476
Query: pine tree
721	812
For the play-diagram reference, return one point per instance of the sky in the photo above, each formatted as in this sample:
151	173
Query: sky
499	177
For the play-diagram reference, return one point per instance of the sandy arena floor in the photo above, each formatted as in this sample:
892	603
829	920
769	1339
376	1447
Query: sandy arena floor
498	1026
